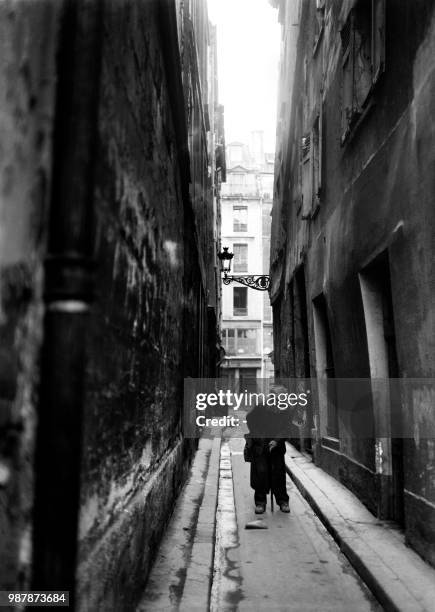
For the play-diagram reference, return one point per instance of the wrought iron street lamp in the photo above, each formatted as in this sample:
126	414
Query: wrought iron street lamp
258	282
225	259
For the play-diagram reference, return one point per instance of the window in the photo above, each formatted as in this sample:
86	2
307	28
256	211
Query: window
304	149
240	218
240	257
246	340
229	343
266	181
319	22
240	301
240	184
378	38
363	46
306	176
317	159
240	341
311	166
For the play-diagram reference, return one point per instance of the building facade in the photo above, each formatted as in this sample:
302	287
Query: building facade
353	239
246	204
111	163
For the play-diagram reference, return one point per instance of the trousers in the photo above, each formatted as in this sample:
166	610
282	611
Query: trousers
268	473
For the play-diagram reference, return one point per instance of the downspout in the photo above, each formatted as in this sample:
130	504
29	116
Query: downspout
68	294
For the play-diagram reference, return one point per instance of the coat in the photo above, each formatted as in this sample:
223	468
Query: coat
267	467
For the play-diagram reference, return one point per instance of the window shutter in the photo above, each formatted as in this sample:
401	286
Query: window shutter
362	62
320	137
347	42
307	186
305	146
378	38
345	34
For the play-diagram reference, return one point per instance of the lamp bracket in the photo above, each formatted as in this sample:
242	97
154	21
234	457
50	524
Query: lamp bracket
260	283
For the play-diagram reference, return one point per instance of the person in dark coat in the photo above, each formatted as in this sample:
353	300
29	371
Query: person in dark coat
267	427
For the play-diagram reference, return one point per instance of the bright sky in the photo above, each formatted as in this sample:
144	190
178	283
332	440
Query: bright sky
248	38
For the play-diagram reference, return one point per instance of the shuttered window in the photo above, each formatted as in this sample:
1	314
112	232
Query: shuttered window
363	58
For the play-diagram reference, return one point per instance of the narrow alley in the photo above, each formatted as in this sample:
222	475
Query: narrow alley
217	305
209	560
294	565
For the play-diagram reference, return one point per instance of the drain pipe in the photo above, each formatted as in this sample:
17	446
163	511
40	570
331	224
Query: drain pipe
68	293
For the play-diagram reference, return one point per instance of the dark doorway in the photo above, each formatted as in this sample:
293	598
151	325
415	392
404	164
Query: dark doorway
302	344
378	306
276	308
325	367
248	380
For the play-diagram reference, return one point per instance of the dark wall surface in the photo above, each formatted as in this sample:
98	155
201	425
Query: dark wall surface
135	365
376	197
151	322
149	326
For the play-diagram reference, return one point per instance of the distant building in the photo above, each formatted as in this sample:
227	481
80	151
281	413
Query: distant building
352	246
246	204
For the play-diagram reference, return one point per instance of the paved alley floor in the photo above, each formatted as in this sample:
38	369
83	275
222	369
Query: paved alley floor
292	565
209	561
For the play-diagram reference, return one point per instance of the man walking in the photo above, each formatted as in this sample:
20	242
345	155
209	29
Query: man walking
267	456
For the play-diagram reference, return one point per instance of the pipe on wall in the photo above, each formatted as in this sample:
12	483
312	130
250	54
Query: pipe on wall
68	295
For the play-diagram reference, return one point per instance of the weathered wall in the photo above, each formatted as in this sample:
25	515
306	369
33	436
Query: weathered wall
153	321
27	36
149	325
377	194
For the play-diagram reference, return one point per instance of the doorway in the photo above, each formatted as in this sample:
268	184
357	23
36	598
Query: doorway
302	358
248	380
328	411
377	299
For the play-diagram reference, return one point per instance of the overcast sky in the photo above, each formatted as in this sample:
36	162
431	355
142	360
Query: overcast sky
248	36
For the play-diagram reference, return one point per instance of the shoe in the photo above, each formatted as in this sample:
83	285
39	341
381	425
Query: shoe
260	508
284	507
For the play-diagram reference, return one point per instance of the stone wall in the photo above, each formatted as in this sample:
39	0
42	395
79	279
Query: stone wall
152	321
375	198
